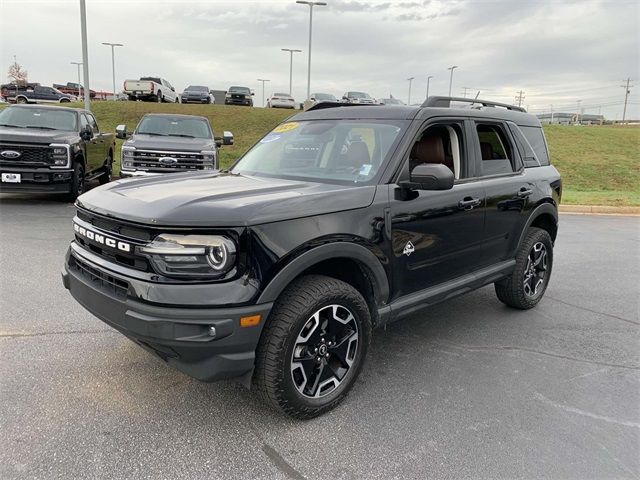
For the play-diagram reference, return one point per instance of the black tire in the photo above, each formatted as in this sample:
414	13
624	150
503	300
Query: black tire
275	379
21	100
64	100
108	169
525	287
77	182
159	97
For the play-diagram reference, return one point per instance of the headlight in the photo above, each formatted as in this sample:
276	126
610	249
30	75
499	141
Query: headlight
209	159
195	256
60	155
228	95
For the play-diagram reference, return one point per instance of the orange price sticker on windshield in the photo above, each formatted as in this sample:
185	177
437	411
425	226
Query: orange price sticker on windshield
286	127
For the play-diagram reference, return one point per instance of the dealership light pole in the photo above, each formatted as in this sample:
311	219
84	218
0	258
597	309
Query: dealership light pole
85	53
113	64
311	5
410	80
451	77
291	52
79	82
428	79
263	80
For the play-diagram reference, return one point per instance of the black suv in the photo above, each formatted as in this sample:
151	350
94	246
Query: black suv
340	220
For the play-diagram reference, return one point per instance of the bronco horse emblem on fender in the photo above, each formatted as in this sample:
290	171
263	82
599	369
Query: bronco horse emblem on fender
408	249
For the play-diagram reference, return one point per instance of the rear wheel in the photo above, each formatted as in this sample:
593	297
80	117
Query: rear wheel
525	287
21	100
77	182
313	347
64	100
159	97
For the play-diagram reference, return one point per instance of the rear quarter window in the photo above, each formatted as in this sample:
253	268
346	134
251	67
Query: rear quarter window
535	137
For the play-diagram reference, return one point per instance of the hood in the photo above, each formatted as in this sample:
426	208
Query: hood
220	199
35	135
155	142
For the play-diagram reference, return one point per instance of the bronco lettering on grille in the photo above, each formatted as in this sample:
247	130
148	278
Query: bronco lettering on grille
101	239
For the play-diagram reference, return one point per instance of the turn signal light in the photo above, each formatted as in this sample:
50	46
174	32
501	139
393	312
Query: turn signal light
251	321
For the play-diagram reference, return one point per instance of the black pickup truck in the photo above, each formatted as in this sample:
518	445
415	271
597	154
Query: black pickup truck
52	149
342	219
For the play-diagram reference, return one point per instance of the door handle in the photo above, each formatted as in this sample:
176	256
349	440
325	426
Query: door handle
469	203
525	192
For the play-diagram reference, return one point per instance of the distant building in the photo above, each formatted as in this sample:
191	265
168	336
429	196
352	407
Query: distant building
571	118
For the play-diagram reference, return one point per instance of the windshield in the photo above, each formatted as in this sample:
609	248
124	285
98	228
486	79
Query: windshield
328	151
196	88
323	96
358	95
43	118
174	126
244	90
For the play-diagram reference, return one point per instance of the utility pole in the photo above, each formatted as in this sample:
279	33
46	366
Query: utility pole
263	80
519	98
409	96
464	91
551	122
451	77
113	64
79	82
578	112
85	54
428	78
627	91
291	52
311	5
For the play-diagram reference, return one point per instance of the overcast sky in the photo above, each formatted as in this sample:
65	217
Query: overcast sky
557	52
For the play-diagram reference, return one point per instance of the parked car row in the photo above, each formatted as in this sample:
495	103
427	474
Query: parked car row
59	149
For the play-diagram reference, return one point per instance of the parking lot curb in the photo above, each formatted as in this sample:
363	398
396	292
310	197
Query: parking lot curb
599	210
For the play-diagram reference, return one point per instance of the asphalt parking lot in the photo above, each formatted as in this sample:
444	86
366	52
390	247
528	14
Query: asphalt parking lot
467	389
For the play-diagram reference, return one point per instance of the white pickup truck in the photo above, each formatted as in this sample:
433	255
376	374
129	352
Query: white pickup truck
153	89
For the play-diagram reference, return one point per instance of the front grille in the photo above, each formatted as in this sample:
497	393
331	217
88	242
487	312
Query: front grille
152	161
129	234
30	155
105	282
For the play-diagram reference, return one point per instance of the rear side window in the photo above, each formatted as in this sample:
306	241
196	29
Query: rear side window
497	156
535	137
526	150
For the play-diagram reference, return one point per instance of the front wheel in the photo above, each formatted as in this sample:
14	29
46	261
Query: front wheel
159	97
524	288
313	347
77	182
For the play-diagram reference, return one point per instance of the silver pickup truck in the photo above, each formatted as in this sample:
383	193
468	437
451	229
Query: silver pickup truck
165	143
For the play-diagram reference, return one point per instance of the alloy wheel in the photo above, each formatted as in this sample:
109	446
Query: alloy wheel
324	351
536	269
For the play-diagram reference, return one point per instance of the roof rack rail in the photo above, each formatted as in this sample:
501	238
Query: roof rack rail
445	102
323	105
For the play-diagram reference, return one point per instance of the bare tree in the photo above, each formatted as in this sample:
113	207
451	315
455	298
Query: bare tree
17	73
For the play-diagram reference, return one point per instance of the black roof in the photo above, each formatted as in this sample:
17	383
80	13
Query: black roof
477	109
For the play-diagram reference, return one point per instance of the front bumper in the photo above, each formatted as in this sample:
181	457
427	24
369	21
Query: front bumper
39	180
179	334
237	101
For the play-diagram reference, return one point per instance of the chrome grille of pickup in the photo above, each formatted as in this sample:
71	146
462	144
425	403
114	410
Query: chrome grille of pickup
156	161
30	155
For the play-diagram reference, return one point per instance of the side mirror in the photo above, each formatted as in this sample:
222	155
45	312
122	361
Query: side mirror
86	133
313	99
430	176
345	98
253	93
173	89
227	138
121	131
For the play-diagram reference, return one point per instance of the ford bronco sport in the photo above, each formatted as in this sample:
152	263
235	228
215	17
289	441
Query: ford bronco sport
340	220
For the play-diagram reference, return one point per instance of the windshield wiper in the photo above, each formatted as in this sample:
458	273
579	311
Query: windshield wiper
153	133
40	127
13	126
181	135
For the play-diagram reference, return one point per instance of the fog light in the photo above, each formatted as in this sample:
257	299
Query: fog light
60	161
128	164
212	331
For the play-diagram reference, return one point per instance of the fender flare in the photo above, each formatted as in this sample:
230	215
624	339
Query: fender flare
326	252
539	210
